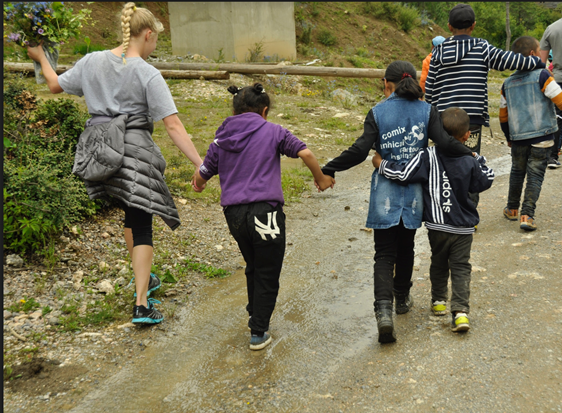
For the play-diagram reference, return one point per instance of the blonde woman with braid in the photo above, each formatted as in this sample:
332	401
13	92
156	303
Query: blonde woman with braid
116	156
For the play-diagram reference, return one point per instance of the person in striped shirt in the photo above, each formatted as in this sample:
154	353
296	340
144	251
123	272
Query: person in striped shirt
449	214
528	120
458	73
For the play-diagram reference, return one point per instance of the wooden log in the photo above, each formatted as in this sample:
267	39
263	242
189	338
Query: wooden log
251	69
206	70
167	74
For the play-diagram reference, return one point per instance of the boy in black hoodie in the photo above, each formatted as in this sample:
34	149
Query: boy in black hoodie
449	215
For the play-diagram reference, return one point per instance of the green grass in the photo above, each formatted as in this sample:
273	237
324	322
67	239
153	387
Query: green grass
26	305
207	270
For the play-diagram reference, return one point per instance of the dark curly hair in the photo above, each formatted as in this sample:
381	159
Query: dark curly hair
403	75
249	99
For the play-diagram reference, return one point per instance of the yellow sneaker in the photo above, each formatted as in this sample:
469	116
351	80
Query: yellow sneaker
460	322
439	307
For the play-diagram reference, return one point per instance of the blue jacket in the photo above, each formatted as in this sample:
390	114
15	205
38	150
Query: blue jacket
446	183
531	113
397	128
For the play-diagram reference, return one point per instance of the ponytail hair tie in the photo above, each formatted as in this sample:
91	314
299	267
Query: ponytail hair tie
134	8
405	75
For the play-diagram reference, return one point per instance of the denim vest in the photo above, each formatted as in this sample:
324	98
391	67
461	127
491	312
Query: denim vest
402	125
531	113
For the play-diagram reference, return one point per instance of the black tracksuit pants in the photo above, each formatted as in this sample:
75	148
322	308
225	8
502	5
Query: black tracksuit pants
259	230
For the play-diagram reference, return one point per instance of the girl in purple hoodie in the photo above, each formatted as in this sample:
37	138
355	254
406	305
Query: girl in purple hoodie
246	153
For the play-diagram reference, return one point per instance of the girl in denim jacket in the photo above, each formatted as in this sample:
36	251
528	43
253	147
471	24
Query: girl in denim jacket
397	128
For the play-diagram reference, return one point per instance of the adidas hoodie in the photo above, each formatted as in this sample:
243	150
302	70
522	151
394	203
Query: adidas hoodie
458	74
446	182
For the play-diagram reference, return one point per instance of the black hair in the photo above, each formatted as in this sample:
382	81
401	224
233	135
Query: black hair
455	122
249	99
524	45
403	75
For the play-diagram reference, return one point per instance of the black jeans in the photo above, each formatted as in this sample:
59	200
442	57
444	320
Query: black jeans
450	252
474	142
394	261
259	230
531	162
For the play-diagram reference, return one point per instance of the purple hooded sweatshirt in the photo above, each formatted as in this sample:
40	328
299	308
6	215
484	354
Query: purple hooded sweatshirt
246	155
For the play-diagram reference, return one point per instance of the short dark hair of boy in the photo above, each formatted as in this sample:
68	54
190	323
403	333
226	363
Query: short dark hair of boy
524	45
249	99
455	121
403	75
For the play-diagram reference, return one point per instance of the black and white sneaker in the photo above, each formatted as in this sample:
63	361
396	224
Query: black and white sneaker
150	315
553	164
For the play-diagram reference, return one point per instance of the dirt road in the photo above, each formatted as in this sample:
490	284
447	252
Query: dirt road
325	356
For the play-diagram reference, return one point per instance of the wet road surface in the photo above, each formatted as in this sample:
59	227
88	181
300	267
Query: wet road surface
325	356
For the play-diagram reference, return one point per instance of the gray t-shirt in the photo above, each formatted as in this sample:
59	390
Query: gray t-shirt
112	88
552	40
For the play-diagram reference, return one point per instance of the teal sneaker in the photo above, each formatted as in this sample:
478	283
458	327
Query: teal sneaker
258	343
460	322
147	315
439	307
153	284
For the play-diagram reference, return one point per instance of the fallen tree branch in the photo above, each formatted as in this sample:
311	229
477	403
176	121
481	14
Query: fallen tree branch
222	70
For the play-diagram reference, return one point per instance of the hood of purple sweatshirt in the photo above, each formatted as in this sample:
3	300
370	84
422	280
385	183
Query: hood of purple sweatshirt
236	131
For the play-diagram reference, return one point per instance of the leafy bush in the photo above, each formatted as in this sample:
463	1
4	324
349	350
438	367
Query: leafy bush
326	38
41	195
407	18
84	49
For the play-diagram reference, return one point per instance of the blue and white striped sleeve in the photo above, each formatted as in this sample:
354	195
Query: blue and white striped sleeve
502	60
416	170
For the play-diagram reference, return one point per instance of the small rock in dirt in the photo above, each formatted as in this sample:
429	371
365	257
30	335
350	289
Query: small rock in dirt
341	115
352	239
7	314
14	260
74	230
35	315
105	286
476	268
105	235
219	247
169	293
126	325
124	271
347	208
53	321
77	286
72	263
103	266
120	281
78	276
182	201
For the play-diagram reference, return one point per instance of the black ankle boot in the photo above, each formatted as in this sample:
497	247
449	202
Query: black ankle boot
383	312
403	303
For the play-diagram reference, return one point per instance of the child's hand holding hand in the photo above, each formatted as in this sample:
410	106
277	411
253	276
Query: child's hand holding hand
194	185
377	159
325	183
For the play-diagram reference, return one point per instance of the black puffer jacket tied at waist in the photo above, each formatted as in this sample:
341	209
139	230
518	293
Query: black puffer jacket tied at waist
116	157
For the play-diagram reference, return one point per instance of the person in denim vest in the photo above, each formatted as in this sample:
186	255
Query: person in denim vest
528	120
398	128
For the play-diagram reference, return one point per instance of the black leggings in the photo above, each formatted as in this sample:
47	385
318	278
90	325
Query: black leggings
140	223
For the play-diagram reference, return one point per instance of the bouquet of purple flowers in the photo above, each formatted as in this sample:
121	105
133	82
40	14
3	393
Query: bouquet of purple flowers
47	23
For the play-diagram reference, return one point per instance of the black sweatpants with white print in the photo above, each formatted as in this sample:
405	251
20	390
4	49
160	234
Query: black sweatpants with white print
259	230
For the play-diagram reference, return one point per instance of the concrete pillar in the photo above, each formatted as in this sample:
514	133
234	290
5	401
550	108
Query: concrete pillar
207	27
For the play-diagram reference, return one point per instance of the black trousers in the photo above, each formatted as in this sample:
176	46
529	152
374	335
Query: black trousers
259	230
450	254
394	261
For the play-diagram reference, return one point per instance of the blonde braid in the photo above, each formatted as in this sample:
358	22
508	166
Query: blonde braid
128	11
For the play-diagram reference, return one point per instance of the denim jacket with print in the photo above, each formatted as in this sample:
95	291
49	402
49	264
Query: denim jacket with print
531	113
402	125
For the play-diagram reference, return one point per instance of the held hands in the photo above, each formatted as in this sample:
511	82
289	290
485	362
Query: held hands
324	183
194	182
377	159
